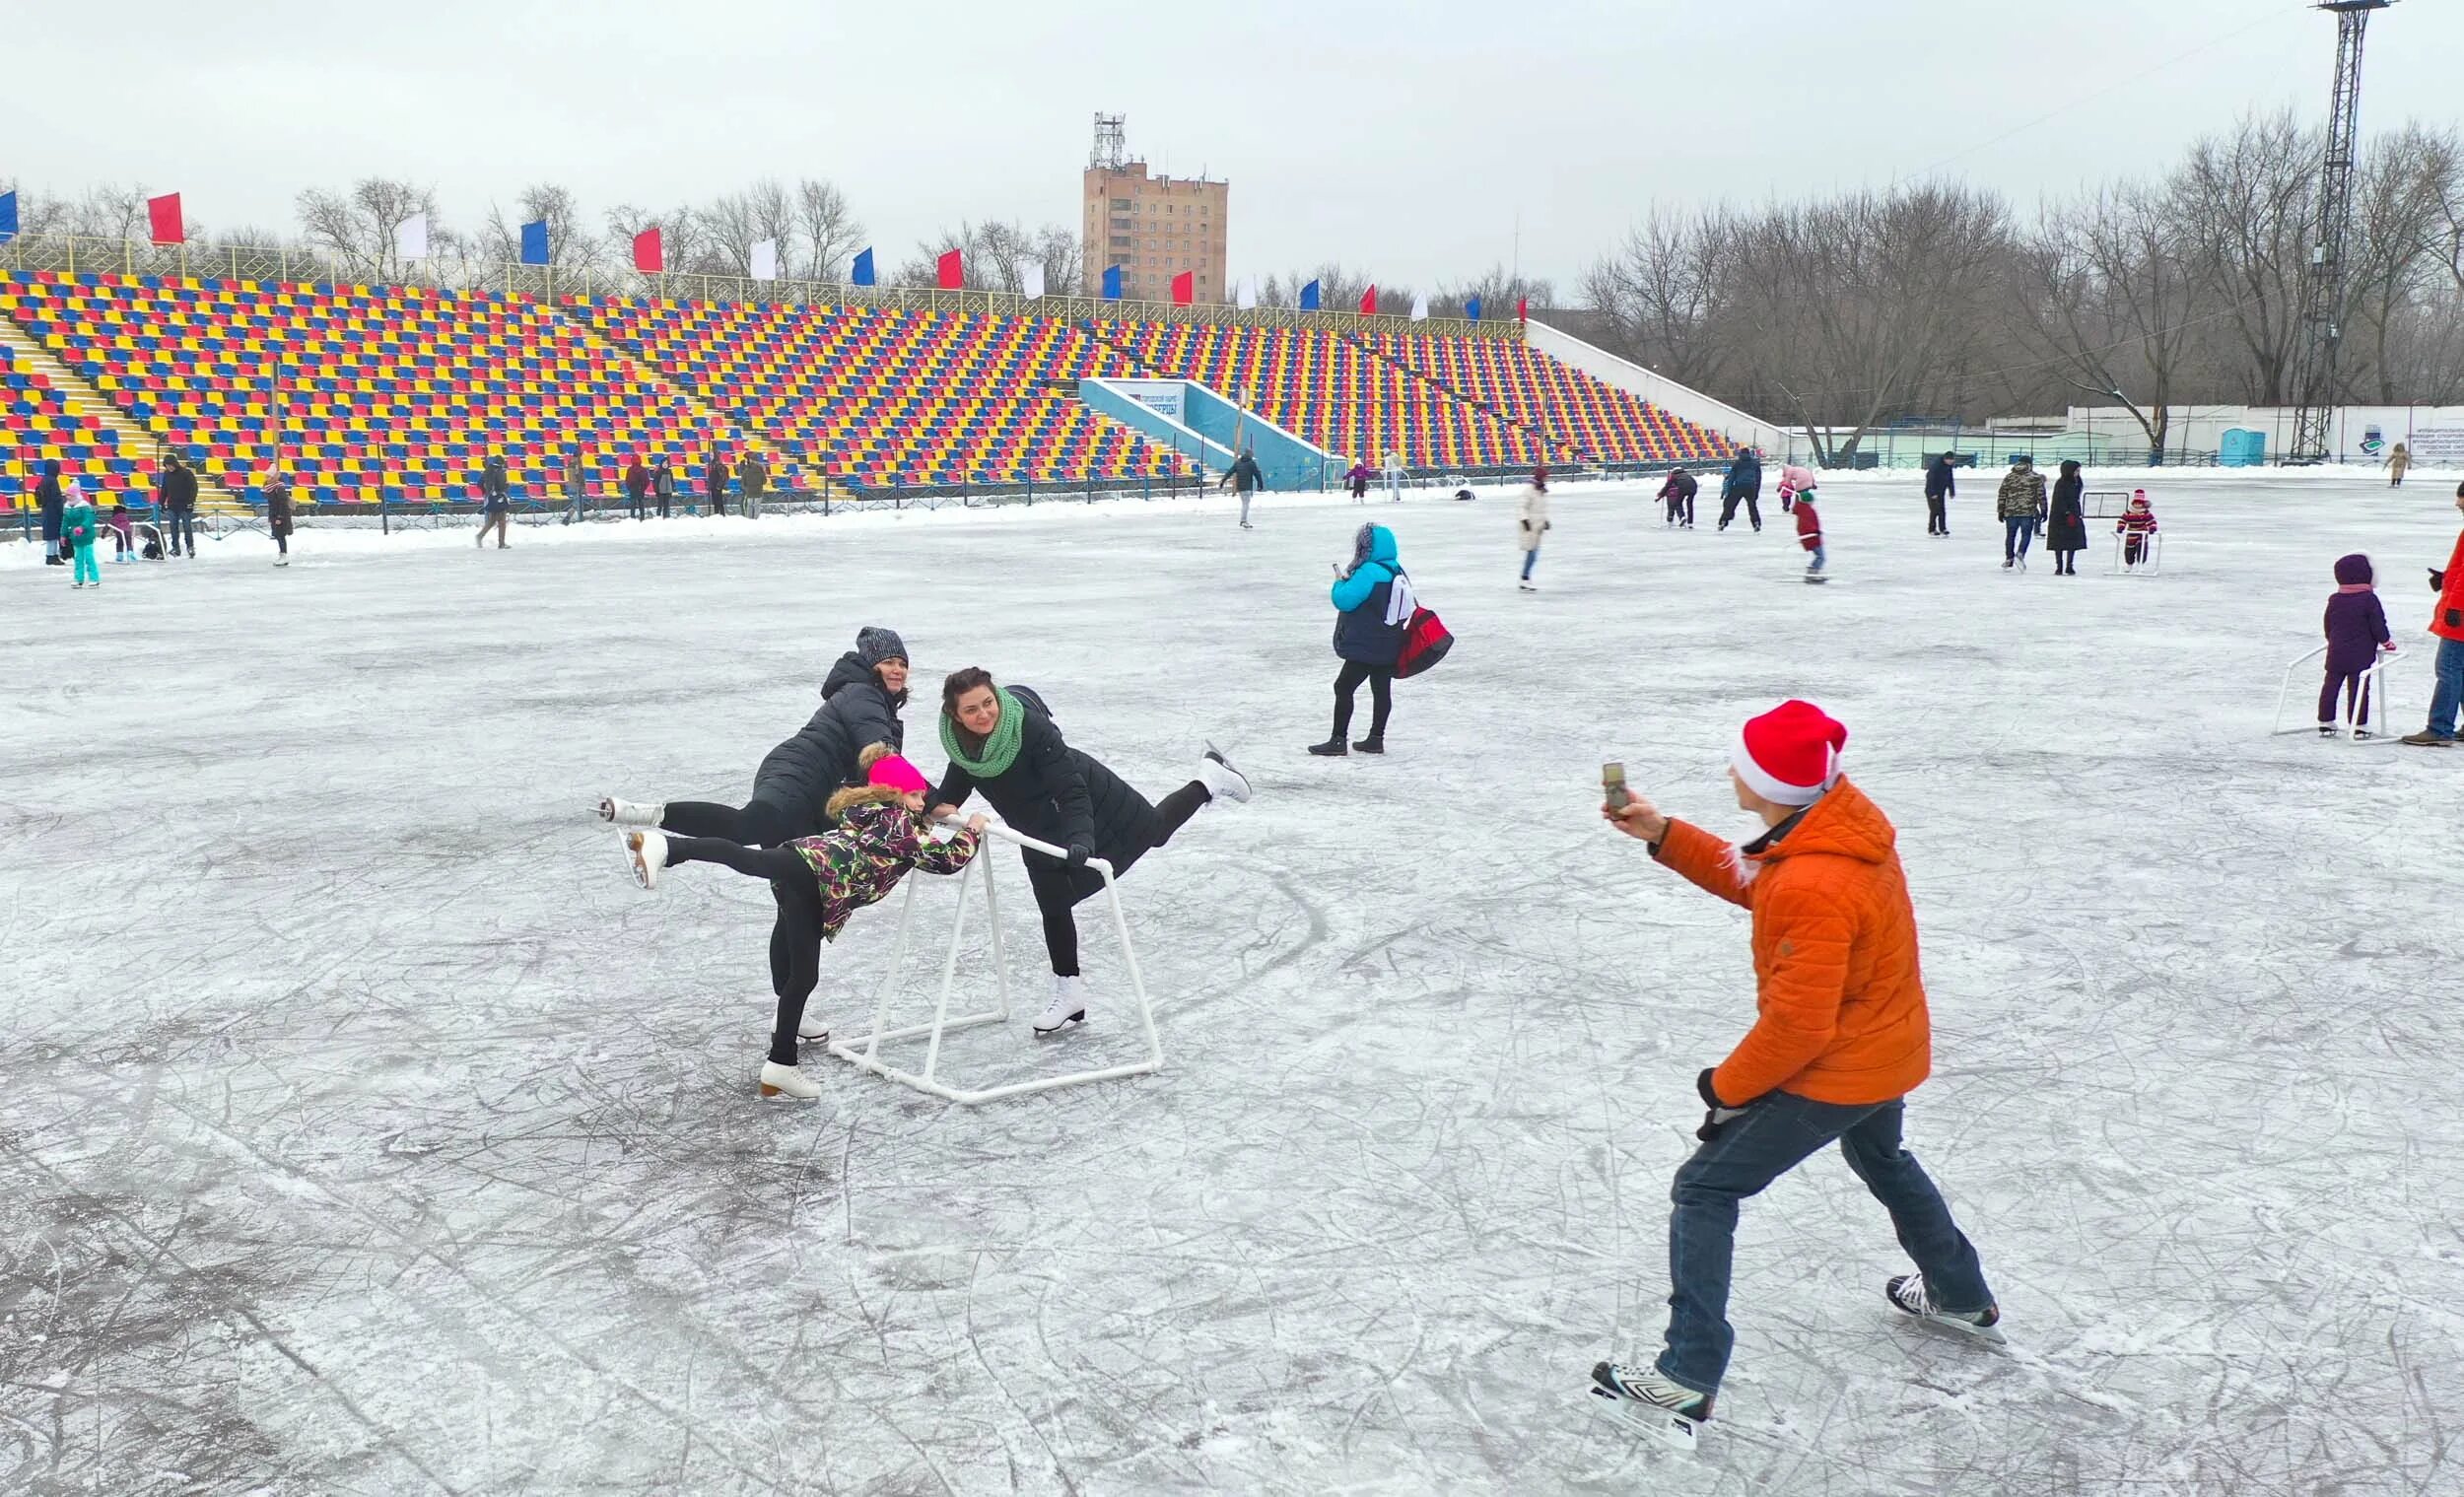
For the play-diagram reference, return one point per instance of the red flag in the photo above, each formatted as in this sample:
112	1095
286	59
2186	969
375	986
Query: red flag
1184	288
1369	302
649	251
953	271
1522	309
164	214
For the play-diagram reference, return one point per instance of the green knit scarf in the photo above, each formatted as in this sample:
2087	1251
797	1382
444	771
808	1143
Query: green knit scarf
1000	749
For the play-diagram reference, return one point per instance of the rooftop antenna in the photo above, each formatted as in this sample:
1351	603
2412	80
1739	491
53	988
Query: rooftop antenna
1112	143
2323	279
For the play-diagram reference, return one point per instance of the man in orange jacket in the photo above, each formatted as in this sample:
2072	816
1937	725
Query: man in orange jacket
2446	621
1840	1039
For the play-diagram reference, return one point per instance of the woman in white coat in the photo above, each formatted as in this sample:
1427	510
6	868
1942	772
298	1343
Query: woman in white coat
1532	523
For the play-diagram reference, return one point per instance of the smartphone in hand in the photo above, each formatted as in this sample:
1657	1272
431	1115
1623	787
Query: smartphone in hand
1612	785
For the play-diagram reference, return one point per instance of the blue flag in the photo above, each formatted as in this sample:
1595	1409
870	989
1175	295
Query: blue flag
863	268
535	242
1309	296
1111	283
1471	307
8	215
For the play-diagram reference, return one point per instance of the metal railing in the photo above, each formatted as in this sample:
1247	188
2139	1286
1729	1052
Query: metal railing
72	255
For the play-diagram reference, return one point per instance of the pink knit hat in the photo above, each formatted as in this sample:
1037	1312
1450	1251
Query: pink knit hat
1790	754
895	772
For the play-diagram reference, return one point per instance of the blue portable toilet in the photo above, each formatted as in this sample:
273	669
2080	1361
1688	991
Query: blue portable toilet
2242	449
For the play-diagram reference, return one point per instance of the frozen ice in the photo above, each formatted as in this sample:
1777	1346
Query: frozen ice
363	1129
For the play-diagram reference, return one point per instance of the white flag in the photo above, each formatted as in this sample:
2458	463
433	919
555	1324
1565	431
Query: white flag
1031	281
410	238
1420	308
766	260
1248	296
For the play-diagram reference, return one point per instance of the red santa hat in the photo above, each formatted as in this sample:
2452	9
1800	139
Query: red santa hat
1790	754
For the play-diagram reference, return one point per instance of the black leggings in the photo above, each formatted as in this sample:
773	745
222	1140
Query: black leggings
1729	502
1057	887
796	937
1380	679
1937	517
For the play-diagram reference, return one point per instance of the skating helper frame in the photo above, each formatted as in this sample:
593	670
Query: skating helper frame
863	1050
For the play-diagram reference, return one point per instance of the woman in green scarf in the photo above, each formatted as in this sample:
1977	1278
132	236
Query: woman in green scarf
1003	741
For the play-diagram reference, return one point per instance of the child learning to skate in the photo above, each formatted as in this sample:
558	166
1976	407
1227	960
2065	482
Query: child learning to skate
2357	633
123	535
881	834
2137	524
1809	534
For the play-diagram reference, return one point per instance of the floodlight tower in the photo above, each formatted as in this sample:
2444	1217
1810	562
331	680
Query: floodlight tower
2323	280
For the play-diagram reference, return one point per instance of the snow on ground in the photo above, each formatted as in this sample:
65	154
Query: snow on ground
364	1130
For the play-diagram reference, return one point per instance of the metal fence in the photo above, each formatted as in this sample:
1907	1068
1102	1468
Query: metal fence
71	255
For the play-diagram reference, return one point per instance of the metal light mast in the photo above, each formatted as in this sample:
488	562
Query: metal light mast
2323	280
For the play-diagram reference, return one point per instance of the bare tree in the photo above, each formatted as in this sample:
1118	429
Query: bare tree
358	227
570	244
2244	201
994	253
1659	291
830	231
2401	197
733	223
2102	289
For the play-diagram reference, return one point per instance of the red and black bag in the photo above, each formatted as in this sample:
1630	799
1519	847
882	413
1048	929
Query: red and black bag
1425	643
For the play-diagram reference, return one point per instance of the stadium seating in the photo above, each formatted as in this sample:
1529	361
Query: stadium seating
1328	390
1525	386
39	425
362	389
878	397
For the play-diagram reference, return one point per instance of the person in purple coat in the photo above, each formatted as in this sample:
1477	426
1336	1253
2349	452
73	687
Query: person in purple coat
2357	632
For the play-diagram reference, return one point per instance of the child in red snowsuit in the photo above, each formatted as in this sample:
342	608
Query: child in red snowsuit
2137	524
1809	534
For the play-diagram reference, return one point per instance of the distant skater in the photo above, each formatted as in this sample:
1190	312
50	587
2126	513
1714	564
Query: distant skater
2021	503
1743	485
2066	523
1243	476
1373	604
278	517
2137	529
1531	522
1359	475
1810	535
1678	494
2397	462
1942	485
496	508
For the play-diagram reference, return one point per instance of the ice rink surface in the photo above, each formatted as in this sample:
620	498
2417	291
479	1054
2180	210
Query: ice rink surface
363	1130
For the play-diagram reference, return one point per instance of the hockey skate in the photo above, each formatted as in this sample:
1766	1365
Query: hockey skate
1907	1294
625	813
1650	1402
1221	780
646	851
1067	1007
787	1081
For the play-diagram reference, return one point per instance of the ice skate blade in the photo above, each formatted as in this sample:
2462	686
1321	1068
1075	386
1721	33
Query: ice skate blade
1671	1429
1961	1330
1064	1027
770	1093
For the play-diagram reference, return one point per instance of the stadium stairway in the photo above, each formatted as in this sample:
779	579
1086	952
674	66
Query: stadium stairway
84	404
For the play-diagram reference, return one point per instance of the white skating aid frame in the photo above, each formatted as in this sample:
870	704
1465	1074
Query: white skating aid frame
863	1050
2373	682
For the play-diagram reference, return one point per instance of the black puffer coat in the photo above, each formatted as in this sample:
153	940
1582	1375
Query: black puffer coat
799	774
2067	529
1063	795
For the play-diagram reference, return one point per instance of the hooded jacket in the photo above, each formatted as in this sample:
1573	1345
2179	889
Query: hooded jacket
753	475
1744	474
2446	621
2356	624
1942	480
1244	474
493	485
49	498
875	844
1064	796
178	492
1680	485
2022	493
2066	523
1840	1013
799	776
1366	631
637	480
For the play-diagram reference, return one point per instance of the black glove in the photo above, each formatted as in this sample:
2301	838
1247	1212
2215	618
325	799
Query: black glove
1720	1115
2437	582
1079	852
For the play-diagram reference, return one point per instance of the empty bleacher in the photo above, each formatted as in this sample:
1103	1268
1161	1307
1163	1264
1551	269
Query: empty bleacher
877	397
1526	387
39	425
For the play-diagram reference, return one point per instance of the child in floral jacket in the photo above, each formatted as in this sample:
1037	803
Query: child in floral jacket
881	834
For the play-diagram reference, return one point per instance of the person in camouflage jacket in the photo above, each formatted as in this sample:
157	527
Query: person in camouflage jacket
2022	505
881	832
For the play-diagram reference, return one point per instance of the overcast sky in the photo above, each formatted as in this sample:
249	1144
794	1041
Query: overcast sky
1405	139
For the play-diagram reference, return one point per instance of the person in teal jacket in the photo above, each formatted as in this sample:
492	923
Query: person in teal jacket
1373	602
79	527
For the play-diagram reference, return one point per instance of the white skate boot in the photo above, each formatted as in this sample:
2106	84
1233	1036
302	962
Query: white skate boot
1907	1293
625	813
646	851
1221	780
787	1081
815	1030
1644	1399
1068	1006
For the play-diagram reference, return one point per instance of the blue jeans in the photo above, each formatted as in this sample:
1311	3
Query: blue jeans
2446	698
1773	1136
2017	532
1815	565
1531	559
